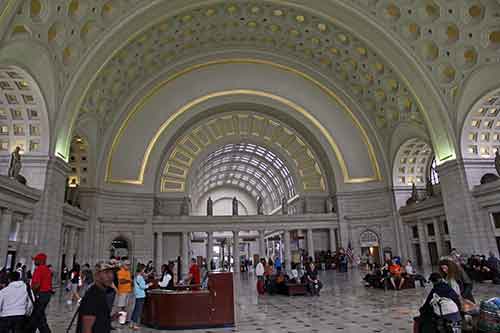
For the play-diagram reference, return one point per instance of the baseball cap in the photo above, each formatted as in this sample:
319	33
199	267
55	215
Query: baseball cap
40	256
104	266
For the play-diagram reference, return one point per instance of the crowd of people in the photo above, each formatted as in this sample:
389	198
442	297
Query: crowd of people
393	274
273	279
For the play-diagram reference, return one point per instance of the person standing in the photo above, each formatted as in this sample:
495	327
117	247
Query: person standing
87	278
15	304
95	315
277	264
140	287
124	286
75	284
194	273
167	278
259	272
41	283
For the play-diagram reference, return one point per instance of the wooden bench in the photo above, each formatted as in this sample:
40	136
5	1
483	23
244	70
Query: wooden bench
294	289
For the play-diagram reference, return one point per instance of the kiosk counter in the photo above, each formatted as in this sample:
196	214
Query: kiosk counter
189	309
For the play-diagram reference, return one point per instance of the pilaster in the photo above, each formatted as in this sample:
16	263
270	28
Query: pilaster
468	233
4	235
49	212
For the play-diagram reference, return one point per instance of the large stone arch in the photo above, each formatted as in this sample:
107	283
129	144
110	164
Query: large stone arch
427	97
24	123
349	130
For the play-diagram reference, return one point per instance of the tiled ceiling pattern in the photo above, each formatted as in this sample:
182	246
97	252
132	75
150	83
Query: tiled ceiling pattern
251	167
236	126
452	38
481	132
21	107
412	163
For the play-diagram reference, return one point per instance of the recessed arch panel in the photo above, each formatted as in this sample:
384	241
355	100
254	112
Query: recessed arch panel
412	163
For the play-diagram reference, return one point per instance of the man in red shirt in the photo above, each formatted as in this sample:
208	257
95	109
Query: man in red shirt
194	273
41	283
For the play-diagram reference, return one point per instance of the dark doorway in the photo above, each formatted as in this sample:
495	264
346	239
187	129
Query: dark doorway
433	253
11	260
418	254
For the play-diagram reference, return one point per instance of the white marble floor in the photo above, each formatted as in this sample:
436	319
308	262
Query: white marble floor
344	306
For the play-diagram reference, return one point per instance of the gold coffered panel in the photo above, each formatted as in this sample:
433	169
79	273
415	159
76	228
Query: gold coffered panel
238	127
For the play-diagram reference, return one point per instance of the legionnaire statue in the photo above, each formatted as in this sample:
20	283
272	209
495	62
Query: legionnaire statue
414	195
284	206
235	206
210	207
15	163
186	202
329	206
429	188
497	161
260	208
73	193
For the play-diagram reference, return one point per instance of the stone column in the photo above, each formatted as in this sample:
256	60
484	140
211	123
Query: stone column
310	245
49	212
262	244
333	245
438	236
185	254
71	246
468	233
4	235
25	249
159	251
288	251
424	249
236	251
210	248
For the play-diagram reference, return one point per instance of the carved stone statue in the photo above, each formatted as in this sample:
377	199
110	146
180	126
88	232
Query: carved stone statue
73	194
329	205
15	164
260	208
414	195
429	188
284	206
235	206
210	207
497	161
186	202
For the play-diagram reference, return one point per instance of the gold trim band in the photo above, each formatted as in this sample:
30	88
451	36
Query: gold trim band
139	106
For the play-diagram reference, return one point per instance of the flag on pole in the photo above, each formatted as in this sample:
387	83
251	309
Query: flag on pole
349	253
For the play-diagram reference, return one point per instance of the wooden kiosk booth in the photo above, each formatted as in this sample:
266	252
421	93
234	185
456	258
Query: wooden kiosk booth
190	309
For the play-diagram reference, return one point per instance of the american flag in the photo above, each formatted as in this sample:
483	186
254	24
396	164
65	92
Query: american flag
349	253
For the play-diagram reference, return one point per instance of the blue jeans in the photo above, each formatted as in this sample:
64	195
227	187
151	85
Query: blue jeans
137	313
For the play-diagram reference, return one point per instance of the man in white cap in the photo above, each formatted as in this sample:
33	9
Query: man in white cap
95	314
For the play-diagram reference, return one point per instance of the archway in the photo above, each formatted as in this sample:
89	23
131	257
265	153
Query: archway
23	123
119	248
480	137
370	246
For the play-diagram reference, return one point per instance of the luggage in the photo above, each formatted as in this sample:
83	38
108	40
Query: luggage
260	287
489	316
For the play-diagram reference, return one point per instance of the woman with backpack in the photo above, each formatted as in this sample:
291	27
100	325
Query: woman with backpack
441	310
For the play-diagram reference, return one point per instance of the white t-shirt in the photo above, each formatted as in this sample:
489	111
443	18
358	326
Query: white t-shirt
259	270
166	279
409	269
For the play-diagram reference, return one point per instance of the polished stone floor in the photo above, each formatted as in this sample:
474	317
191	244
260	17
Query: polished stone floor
344	306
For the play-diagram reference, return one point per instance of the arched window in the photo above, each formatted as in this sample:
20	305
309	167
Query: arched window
433	172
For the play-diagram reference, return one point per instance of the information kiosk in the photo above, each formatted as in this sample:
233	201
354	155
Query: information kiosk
189	309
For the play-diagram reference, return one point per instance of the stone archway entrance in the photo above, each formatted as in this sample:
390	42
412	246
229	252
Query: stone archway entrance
119	248
370	246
